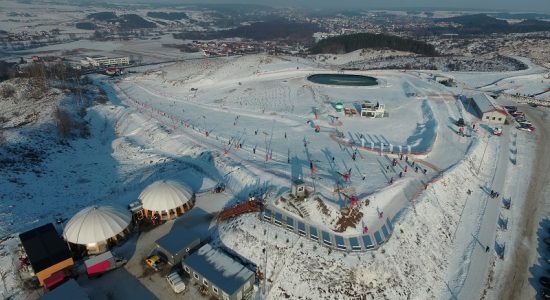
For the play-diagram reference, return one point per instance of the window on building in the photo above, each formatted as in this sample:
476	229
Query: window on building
205	282
494	118
500	119
215	289
487	117
186	268
196	276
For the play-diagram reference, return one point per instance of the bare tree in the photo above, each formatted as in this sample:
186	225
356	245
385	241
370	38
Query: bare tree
64	123
2	137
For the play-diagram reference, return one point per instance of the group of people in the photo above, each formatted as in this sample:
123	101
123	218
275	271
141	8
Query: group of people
494	194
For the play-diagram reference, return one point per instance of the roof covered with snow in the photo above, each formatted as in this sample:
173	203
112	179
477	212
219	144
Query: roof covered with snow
165	195
96	224
486	104
217	267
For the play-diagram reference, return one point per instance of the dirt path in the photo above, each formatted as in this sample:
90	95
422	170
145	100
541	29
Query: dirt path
524	254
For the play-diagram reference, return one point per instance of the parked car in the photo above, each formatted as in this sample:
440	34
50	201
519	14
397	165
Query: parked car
525	122
155	262
176	282
460	122
527	128
511	108
517	114
545	281
497	131
520	119
545	293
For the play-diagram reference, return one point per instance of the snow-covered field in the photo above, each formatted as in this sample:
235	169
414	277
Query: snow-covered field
249	121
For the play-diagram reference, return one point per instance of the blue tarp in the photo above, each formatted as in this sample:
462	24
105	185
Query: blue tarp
378	238
354	243
313	232
326	237
385	231
339	241
367	241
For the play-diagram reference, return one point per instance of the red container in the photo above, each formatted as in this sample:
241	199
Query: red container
99	268
55	280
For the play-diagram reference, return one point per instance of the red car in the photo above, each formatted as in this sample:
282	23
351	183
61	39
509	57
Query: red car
517	114
527	128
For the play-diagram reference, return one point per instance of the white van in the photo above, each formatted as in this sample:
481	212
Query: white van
176	282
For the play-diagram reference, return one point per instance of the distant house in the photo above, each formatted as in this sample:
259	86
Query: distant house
487	109
100	61
224	277
46	251
443	80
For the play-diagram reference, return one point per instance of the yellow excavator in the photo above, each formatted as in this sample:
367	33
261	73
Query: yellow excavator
204	290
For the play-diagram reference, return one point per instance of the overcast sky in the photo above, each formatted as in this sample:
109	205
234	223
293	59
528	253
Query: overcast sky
496	5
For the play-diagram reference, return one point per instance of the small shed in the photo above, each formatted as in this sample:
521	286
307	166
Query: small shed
175	246
487	109
339	106
298	188
68	290
46	251
224	277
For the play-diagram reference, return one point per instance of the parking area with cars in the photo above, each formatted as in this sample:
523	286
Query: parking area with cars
522	123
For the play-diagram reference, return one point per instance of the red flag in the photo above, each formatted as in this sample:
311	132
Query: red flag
313	169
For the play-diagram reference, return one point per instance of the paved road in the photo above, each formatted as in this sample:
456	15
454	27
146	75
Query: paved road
524	255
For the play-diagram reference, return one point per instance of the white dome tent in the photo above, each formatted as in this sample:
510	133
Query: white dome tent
96	227
166	199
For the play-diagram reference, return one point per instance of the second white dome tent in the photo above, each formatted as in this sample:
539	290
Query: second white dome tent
166	199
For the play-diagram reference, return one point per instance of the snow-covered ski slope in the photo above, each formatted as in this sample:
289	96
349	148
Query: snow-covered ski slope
257	106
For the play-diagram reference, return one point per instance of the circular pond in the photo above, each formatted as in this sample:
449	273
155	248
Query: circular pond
343	79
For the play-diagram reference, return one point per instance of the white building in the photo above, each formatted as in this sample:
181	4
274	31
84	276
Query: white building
101	61
487	109
372	110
